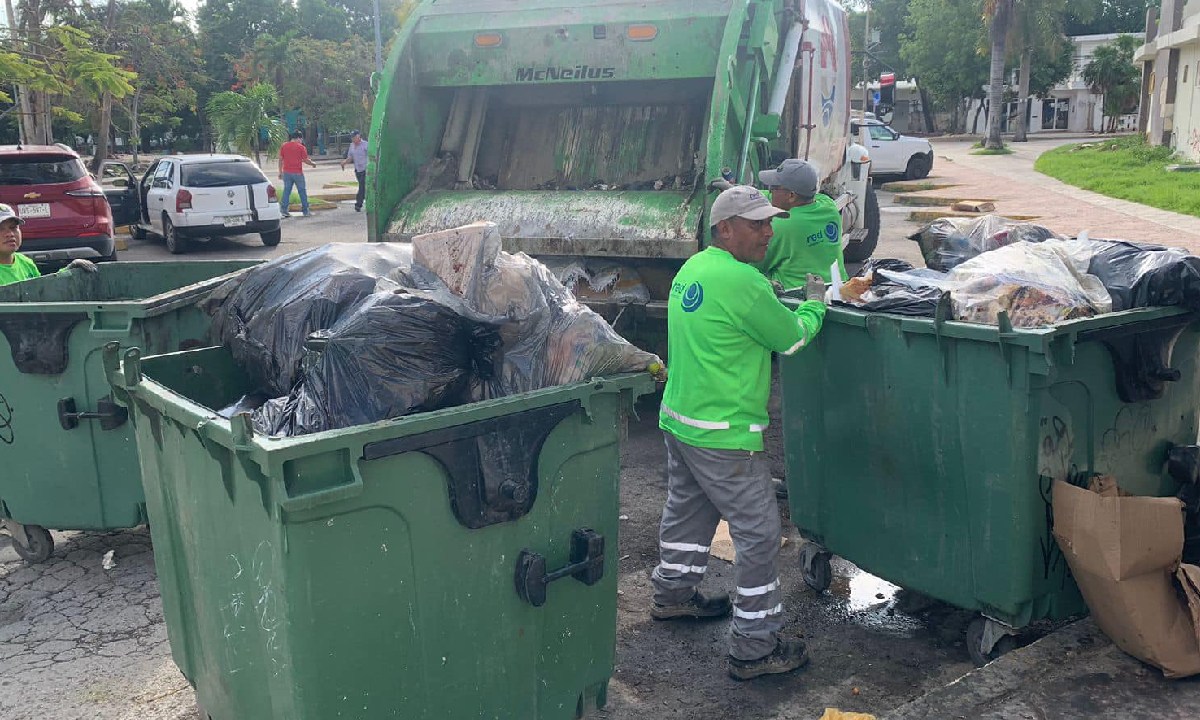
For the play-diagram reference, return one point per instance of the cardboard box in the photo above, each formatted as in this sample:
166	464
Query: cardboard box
1124	552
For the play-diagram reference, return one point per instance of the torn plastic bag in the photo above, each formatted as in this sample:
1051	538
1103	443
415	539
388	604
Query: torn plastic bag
265	314
1037	284
1138	275
550	338
948	242
894	286
397	353
608	282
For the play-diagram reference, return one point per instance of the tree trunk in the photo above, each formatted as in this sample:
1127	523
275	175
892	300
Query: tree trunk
1022	128
983	104
135	130
927	111
104	122
999	37
24	112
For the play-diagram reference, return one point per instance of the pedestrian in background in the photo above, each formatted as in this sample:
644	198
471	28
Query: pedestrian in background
293	156
357	154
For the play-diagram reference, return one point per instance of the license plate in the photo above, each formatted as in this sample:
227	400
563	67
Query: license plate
235	220
33	210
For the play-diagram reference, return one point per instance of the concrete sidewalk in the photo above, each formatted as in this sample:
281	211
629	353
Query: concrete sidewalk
1075	673
1017	189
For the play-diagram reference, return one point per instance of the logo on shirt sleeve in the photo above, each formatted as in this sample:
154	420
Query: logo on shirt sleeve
693	297
831	231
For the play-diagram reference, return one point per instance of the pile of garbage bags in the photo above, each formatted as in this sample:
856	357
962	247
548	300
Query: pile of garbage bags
344	335
1043	280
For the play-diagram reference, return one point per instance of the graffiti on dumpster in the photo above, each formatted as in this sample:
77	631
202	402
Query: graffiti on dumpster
1132	432
6	431
253	608
1054	463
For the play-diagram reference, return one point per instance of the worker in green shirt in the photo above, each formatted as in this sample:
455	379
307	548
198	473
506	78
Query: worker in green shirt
723	323
15	267
809	241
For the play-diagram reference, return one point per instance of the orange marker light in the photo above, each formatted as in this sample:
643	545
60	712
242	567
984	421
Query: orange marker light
641	32
488	40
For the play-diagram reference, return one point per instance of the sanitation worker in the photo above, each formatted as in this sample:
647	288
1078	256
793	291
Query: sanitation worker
723	323
809	241
15	267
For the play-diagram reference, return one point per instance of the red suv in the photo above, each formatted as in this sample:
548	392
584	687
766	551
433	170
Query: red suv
67	214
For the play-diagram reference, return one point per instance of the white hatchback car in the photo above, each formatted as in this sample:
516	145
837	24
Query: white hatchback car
186	197
892	153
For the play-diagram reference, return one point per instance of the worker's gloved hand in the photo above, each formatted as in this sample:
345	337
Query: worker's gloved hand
658	371
814	289
84	265
777	286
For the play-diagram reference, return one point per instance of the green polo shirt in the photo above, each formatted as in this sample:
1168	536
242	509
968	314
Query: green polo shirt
723	323
809	241
22	268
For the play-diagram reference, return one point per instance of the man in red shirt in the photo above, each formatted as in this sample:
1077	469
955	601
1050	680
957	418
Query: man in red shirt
293	156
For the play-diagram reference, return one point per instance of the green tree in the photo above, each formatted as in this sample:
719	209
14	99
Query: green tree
247	121
1112	16
940	48
1036	39
1112	75
228	28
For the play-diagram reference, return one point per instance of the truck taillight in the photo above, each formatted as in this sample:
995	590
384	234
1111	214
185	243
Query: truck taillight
641	32
272	195
488	39
183	201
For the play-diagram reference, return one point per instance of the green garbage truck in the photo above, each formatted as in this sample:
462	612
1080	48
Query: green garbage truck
591	132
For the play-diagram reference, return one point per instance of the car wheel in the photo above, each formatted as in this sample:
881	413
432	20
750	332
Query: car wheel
175	244
860	251
918	167
137	232
271	239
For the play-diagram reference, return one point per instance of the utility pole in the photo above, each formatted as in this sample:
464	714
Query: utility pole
866	62
378	42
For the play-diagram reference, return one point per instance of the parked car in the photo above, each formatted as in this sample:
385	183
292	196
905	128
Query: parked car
182	198
892	153
66	212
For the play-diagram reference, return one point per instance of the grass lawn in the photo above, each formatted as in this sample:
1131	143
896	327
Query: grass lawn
1125	168
313	202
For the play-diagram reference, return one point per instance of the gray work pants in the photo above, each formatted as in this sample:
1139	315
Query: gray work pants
704	485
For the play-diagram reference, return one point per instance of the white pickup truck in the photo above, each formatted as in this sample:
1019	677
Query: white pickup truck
892	153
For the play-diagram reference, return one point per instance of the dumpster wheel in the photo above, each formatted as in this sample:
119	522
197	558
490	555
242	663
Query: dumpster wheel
40	546
815	568
1006	643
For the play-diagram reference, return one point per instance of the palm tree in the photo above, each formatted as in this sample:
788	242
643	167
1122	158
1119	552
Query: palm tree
243	119
999	14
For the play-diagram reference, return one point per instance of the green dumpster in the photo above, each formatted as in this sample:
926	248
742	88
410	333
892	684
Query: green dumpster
67	452
453	564
923	451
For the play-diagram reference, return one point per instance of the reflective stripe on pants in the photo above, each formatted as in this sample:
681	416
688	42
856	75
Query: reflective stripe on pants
704	485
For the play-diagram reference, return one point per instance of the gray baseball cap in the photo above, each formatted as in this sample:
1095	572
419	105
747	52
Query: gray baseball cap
7	213
743	201
798	176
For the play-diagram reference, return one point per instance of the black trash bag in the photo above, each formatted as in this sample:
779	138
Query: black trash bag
1138	275
265	314
948	242
397	353
893	286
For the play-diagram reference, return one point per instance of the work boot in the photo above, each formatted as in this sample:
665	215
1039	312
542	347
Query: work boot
781	487
787	656
700	605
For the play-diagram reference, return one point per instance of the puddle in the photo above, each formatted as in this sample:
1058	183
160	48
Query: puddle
871	601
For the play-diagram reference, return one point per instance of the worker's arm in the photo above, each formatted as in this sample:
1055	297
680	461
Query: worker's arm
781	330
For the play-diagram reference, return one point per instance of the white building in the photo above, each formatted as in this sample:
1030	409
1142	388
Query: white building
1170	60
1070	107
